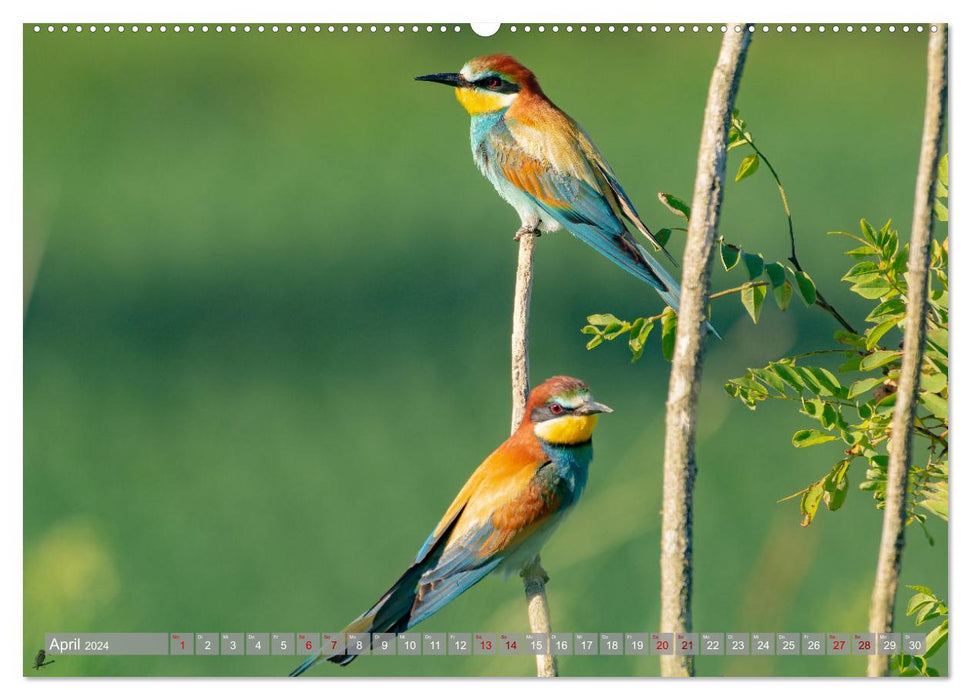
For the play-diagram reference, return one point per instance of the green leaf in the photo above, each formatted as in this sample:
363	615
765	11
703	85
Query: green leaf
813	436
899	265
938	336
603	319
830	418
735	140
808	380
872	289
874	334
807	288
934	383
752	298
662	236
869	233
885	405
730	254
836	487
771	379
862	272
594	342
940	210
826	380
862	386
891	307
926	614
615	330
788	375
753	264
918	601
776	273
783	295
937	506
942	170
669	325
935	640
747	167
847	338
676	205
921	663
935	404
812	407
636	342
810	503
878	359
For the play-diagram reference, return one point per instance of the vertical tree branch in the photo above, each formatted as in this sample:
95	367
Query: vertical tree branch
898	469
520	327
679	456
534	577
538	610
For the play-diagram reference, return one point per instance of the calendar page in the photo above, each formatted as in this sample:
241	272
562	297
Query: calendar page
437	349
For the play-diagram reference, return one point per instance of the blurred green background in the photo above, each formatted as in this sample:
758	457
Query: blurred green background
266	336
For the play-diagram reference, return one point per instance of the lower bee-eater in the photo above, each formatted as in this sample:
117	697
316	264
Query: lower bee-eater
545	165
501	518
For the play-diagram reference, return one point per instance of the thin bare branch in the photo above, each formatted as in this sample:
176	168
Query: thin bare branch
520	327
895	508
793	258
534	577
679	442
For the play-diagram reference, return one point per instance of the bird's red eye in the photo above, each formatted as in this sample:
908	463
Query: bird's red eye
493	82
556	409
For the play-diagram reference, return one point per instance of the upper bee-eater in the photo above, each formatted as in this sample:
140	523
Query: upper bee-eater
545	165
501	518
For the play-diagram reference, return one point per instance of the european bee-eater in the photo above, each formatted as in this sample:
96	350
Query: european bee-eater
501	518
545	165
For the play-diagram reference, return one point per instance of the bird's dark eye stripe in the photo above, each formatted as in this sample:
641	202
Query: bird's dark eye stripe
496	84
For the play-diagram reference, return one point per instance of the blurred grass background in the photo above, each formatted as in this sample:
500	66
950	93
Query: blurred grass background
266	336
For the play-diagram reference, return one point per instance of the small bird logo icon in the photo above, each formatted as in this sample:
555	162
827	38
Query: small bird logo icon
546	166
40	662
501	518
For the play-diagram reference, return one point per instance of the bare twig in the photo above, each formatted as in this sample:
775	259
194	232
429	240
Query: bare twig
895	508
679	457
739	288
534	577
793	258
520	327
538	610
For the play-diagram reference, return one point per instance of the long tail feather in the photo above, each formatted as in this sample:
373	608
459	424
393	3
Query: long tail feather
390	614
393	611
633	258
305	666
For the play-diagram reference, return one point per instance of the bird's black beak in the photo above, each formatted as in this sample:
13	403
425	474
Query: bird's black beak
453	79
591	407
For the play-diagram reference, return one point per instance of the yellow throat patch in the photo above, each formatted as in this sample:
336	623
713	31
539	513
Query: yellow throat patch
567	430
478	102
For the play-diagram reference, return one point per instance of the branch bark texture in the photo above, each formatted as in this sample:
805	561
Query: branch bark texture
520	327
915	326
534	577
682	403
